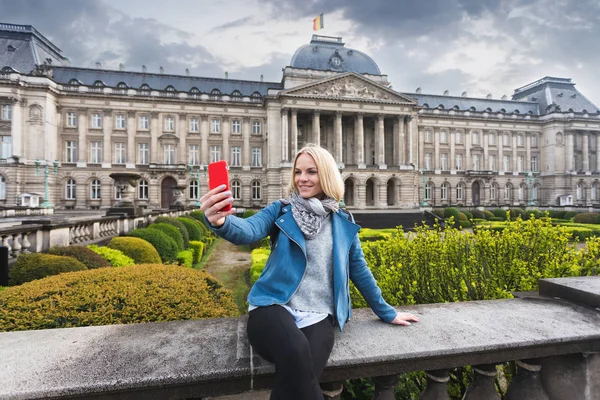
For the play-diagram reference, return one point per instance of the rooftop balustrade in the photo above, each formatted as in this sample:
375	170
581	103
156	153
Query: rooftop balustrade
554	336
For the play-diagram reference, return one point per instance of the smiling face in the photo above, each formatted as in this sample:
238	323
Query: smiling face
306	177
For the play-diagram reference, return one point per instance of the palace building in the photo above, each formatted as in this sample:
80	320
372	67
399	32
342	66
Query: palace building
395	149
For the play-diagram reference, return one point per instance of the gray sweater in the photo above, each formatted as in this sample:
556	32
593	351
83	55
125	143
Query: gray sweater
315	292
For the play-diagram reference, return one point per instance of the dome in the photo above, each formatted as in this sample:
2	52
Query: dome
326	53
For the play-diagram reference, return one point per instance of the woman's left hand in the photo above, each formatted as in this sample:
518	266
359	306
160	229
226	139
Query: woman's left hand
404	319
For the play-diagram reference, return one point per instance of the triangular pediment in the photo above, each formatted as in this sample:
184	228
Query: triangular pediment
349	86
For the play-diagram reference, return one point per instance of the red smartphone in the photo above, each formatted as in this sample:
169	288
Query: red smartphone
217	176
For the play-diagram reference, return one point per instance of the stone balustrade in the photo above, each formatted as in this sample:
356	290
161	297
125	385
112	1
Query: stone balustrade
21	211
553	335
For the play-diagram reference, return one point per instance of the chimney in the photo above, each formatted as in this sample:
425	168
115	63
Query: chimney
98	65
187	72
261	77
121	67
144	69
226	75
161	70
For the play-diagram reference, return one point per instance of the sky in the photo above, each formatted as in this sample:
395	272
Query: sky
477	46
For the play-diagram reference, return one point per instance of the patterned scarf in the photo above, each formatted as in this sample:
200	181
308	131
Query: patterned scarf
310	213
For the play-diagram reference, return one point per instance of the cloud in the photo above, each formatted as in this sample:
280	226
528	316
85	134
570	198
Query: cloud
238	23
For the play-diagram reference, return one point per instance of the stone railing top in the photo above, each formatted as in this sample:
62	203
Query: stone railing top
209	357
582	290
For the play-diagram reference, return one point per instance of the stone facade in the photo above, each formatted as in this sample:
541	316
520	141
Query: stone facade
393	148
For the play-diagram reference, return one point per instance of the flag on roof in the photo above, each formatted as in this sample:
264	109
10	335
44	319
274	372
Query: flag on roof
318	23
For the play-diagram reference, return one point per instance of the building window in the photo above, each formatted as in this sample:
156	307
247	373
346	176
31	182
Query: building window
95	190
476	164
236	126
6	112
459	192
444	161
459	165
580	190
476	138
492	139
256	195
520	140
169	154
427	161
520	163
506	163
492	160
194	192
194	125
71	119
521	193
70	190
506	140
458	136
143	190
120	121
169	124
95	152
534	193
2	188
507	192
70	151
144	122
256	157
444	189
96	121
215	153
256	128
215	126
236	190
595	191
143	153
194	155
493	192
6	149
534	164
236	154
443	137
534	140
428	190
120	157
428	135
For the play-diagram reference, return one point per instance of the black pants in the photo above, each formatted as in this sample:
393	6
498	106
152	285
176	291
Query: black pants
299	355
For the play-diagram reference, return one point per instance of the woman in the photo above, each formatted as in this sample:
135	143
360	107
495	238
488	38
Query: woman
304	288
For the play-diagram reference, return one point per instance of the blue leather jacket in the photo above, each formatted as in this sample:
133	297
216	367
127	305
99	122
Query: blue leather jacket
286	264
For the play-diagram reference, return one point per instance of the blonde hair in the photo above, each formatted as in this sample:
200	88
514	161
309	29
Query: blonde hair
327	169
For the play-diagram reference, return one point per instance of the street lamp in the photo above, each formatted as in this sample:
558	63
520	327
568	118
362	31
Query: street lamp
202	168
424	203
38	164
531	180
342	203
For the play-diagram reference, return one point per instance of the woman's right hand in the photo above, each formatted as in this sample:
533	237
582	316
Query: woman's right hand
212	203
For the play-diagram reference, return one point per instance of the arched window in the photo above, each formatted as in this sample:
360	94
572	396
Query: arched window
143	190
170	88
236	190
580	191
145	89
444	190
74	82
494	192
122	85
236	95
99	84
256	97
95	190
145	86
194	193
508	195
534	192
215	94
2	188
522	192
594	193
460	192
488	110
194	92
70	190
429	191
256	192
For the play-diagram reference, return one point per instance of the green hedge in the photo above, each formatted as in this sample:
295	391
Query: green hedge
35	266
171	232
198	248
451	212
193	227
186	258
108	296
164	245
371	235
488	214
177	224
259	260
82	254
587	218
141	251
500	213
570	214
116	258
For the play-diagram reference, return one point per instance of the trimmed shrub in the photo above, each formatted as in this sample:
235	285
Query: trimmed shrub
198	248
517	212
186	258
82	254
496	219
193	227
177	224
259	261
198	216
451	212
141	251
500	213
164	245
570	214
194	216
171	232
439	212
469	214
248	213
488	214
478	214
115	257
537	214
587	218
372	235
464	224
34	266
108	296
557	214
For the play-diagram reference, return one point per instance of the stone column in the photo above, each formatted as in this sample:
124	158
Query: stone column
436	149
316	127
452	160
399	137
501	153
570	150
337	132
527	383
130	162
181	131
246	145
421	162
380	141
154	138
468	163
284	135
82	126
437	386
359	140
485	140
382	195
225	136
107	130
483	386
294	133
204	140
412	123
597	151
514	152
19	109
528	152
586	151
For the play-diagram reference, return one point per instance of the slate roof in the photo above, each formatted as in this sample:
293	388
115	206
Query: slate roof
22	47
181	83
551	92
319	53
480	105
